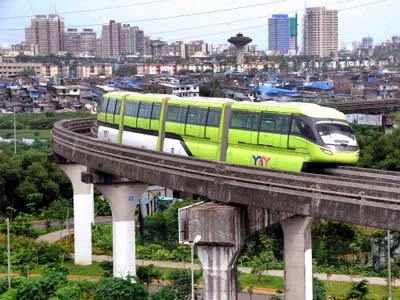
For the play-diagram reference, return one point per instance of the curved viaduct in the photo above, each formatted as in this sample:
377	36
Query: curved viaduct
244	201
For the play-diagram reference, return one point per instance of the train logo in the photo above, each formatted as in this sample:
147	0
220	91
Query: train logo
261	160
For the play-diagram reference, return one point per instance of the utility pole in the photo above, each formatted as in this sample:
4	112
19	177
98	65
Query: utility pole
15	130
8	254
389	266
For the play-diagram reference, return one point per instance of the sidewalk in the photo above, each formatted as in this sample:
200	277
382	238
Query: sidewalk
56	235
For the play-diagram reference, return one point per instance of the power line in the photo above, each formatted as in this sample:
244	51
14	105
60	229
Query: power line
91	9
263	25
214	11
247	19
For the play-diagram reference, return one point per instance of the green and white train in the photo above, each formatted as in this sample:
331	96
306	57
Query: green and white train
273	135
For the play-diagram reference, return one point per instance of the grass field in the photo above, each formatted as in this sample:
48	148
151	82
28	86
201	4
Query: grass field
335	290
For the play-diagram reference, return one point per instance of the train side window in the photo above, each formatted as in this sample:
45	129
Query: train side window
131	109
274	123
196	116
283	124
144	110
155	114
111	106
301	128
176	114
268	123
245	120
214	117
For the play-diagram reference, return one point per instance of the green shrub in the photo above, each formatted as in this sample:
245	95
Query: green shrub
117	288
102	237
71	291
42	288
147	274
358	291
11	294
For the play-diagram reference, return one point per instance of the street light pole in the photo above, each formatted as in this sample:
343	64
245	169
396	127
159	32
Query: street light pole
8	254
15	130
192	246
389	266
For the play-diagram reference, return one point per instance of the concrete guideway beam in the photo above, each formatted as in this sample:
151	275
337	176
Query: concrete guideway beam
123	198
83	202
298	258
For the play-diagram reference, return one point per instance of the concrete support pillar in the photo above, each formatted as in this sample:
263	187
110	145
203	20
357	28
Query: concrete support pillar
219	271
222	230
123	198
83	202
298	258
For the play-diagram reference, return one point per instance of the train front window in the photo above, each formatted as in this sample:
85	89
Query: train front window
338	135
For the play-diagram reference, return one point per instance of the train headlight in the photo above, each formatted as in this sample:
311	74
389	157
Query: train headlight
326	151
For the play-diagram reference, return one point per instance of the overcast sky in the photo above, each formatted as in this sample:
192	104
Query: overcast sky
379	20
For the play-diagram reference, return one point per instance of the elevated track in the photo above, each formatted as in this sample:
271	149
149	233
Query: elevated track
353	195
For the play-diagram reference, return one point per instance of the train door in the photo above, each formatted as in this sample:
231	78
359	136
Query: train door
300	135
117	112
213	124
109	113
244	127
144	115
195	122
176	119
269	134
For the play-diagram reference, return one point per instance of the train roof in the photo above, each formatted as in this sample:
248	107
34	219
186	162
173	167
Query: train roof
307	109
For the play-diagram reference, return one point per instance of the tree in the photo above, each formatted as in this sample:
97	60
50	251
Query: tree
358	291
211	89
27	72
126	71
58	210
121	289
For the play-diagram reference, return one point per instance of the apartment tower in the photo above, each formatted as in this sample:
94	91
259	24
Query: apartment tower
320	32
46	34
110	40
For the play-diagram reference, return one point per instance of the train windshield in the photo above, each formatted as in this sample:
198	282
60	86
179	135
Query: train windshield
339	135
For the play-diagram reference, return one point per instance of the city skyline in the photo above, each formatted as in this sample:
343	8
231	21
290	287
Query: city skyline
171	29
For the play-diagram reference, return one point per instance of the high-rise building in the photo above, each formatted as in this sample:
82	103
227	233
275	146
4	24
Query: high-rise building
99	48
132	40
320	32
179	49
72	41
278	34
293	34
367	43
88	41
80	43
197	48
46	34
110	39
140	42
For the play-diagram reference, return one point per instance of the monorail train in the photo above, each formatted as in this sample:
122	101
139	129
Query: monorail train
277	136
